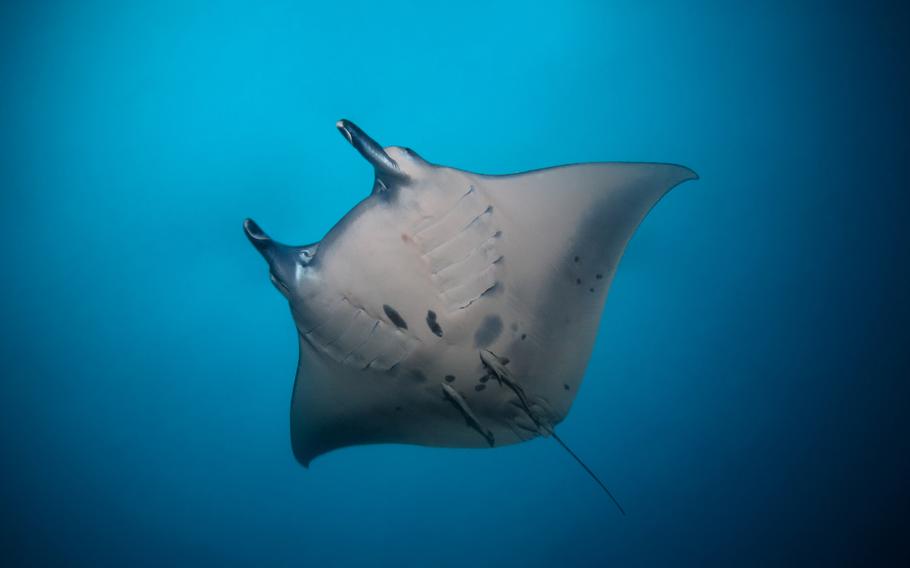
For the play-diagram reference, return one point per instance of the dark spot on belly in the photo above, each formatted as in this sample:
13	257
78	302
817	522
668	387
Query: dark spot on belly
397	409
524	336
433	324
450	378
577	258
488	332
394	316
598	276
565	386
479	387
578	281
591	289
484	378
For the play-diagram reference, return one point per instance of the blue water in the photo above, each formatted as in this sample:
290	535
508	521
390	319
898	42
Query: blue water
746	399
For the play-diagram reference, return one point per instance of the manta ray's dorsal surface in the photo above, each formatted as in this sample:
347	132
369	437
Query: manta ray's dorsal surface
455	309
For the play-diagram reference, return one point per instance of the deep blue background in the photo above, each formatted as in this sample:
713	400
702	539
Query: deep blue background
746	400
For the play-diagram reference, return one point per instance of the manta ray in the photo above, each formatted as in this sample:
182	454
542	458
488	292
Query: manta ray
455	309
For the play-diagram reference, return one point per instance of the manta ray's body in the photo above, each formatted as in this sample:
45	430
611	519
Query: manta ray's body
455	309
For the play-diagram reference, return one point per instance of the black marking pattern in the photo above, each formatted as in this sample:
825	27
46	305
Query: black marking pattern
394	316
433	324
488	332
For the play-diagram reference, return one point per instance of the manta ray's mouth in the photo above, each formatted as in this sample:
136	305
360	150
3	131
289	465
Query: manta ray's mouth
282	287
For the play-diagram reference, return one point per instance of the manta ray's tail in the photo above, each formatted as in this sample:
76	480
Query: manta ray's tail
590	472
497	367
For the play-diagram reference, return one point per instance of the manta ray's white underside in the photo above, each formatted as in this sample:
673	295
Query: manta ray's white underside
455	309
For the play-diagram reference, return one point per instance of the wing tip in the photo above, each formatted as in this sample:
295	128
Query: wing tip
680	173
301	454
669	176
